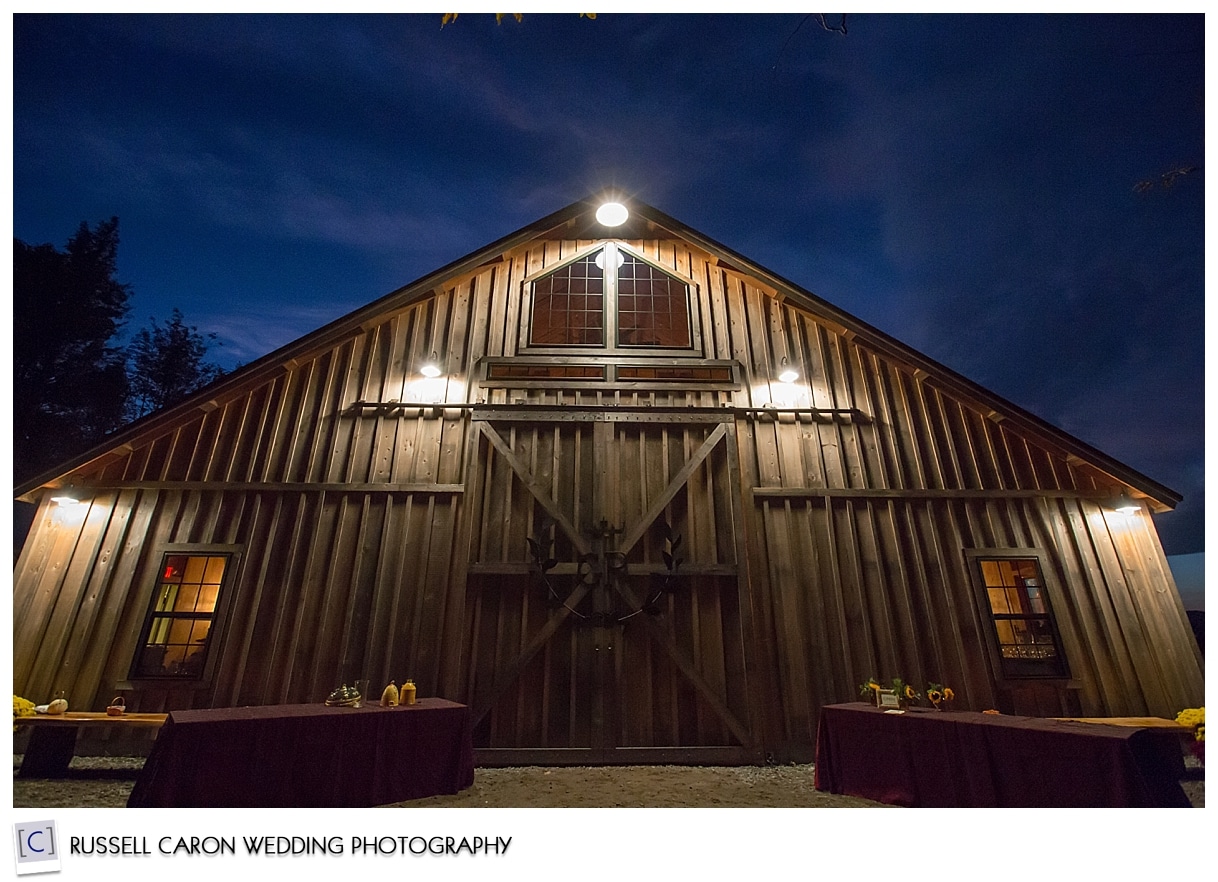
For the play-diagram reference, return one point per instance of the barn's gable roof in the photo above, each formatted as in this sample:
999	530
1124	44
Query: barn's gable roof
577	221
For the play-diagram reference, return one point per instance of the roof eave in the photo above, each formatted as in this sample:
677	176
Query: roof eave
1160	497
285	356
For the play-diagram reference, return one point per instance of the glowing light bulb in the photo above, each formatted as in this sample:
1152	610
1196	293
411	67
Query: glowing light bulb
600	259
612	214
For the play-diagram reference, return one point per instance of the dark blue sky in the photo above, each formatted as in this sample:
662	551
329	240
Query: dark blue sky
965	184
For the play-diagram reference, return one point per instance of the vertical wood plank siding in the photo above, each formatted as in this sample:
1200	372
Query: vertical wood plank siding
832	549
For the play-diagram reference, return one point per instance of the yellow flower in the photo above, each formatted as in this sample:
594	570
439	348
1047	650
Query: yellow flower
1191	717
948	695
934	695
22	707
909	692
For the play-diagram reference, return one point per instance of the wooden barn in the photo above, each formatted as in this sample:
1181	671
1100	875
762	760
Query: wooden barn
630	496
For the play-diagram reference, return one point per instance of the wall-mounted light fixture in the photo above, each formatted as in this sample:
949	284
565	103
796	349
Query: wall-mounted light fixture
612	214
431	367
786	372
1126	504
65	499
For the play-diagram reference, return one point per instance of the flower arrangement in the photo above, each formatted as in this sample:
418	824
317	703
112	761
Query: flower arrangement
1194	718
905	692
937	694
22	707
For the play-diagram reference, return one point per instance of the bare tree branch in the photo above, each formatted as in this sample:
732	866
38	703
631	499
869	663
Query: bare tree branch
840	29
841	26
1167	180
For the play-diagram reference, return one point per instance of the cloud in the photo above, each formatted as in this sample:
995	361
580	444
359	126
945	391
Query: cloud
247	182
963	184
250	333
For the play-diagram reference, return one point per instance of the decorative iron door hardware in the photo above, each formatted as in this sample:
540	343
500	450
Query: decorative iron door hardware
603	571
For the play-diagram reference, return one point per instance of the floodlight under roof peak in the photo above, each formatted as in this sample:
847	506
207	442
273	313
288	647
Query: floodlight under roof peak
612	214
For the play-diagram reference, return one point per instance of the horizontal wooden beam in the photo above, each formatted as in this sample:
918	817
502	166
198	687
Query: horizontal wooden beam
276	486
532	412
523	568
548	413
613	385
859	493
407	410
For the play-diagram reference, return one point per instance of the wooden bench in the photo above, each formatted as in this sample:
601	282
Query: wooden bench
53	738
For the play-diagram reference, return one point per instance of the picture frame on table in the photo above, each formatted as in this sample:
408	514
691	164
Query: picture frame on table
887	698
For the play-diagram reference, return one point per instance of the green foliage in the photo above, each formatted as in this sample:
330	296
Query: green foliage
73	383
904	691
69	377
167	362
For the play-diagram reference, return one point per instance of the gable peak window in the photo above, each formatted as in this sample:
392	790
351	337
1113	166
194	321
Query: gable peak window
610	299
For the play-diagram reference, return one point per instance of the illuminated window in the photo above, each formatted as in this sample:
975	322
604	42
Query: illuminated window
652	307
569	306
545	372
646	306
676	374
178	629
1028	644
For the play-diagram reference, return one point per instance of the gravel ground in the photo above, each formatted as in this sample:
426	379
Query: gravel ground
107	781
97	782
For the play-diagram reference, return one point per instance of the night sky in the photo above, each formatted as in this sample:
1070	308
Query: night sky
965	184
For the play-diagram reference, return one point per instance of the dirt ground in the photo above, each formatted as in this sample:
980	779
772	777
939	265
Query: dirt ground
107	781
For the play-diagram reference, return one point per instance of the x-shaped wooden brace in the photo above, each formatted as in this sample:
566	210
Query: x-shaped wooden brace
631	538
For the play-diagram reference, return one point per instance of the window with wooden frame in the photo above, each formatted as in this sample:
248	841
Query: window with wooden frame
610	299
542	371
1021	617
178	629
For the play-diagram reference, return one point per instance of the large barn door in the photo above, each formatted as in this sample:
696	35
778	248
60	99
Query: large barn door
607	623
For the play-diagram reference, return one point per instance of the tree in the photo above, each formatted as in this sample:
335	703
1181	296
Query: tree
166	363
450	17
69	379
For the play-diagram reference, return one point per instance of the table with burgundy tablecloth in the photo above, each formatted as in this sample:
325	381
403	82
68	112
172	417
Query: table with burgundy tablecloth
308	755
924	757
